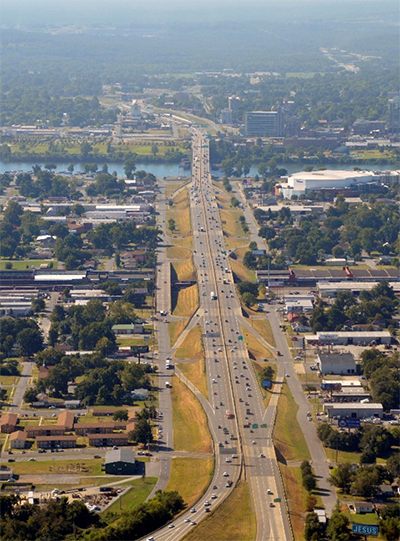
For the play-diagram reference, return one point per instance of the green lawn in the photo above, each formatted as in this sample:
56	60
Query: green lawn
26	264
288	437
141	488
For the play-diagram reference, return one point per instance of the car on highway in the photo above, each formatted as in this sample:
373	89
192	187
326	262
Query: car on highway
269	491
226	474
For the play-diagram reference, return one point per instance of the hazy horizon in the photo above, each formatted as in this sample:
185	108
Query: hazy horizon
39	13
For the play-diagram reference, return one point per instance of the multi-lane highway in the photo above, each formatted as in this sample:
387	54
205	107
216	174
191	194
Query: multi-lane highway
240	425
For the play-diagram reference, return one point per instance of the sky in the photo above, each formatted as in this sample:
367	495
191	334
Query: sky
30	14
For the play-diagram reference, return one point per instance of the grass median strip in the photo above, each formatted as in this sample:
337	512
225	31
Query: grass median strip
256	350
233	520
176	252
297	498
263	327
175	329
190	427
190	477
288	437
185	301
184	270
191	347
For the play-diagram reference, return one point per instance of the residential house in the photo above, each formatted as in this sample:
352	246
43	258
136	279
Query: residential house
66	419
363	507
85	429
55	442
8	423
44	430
18	440
107	440
128	328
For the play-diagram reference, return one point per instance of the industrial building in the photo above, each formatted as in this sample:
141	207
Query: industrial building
304	182
354	410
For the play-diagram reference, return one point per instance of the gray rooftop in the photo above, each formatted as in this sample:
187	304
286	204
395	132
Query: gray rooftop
120	455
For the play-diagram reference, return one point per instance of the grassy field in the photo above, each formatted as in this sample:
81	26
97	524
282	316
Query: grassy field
243	273
25	264
180	213
175	252
172	186
190	477
263	327
85	467
297	498
255	348
342	456
288	437
136	495
184	270
191	347
191	432
175	329
231	224
233	520
9	380
126	342
196	374
258	367
185	301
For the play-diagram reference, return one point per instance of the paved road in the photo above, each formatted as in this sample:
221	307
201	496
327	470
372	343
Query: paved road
241	451
22	386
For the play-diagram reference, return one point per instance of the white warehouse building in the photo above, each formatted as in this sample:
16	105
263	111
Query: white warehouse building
304	182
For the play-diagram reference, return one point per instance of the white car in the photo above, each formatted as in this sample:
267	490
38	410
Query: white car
226	474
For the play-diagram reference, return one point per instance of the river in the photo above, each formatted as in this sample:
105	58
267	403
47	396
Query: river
172	169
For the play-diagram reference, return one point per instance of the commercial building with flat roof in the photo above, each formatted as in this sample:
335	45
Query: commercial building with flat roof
305	182
330	290
120	462
344	338
337	363
354	410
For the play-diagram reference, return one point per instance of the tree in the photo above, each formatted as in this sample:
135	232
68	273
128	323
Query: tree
142	432
30	341
120	415
342	477
338	527
309	482
312	526
154	150
248	299
390	528
38	305
130	166
393	465
30	395
53	336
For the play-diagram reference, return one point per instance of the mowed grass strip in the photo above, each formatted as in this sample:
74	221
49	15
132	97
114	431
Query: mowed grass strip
263	327
185	301
243	273
230	223
190	477
195	373
137	494
191	347
175	329
175	252
76	466
172	186
297	498
256	350
190	427
288	437
185	270
233	520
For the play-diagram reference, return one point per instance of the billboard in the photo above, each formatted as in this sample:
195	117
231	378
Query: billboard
266	384
349	423
365	529
139	349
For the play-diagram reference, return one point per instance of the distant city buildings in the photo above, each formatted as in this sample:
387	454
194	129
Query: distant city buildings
394	113
264	124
